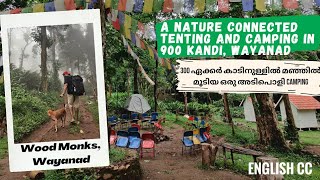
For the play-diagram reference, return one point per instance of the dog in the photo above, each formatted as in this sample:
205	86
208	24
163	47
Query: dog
56	115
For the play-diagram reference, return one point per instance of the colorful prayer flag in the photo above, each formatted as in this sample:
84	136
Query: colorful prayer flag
178	6
142	44
134	25
247	5
129	5
80	4
210	5
138	41
150	52
27	10
133	38
307	6
260	5
125	42
38	7
141	27
70	4
290	4
114	4
15	11
49	7
157	5
114	14
116	24
199	5
317	2
127	26
59	5
155	54
148	4
107	3
189	6
122	5
138	6
223	5
167	6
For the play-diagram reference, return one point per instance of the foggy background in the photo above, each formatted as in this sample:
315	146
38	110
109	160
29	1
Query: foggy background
67	48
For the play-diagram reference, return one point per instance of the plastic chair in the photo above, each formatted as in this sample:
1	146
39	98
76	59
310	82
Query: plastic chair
112	121
132	129
136	125
196	137
144	115
124	120
134	140
187	141
134	116
202	131
122	140
148	142
113	136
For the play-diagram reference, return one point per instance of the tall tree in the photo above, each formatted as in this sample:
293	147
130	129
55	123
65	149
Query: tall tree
273	136
291	132
28	40
227	113
43	66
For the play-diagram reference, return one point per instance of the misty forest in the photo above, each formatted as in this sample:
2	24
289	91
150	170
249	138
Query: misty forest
38	58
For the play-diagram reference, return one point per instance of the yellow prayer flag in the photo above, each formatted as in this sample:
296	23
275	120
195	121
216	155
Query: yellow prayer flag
260	5
127	26
168	64
148	5
199	5
38	7
150	52
108	3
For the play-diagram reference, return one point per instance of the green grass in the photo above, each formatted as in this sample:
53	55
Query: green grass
310	137
171	120
246	135
117	154
243	135
94	109
3	147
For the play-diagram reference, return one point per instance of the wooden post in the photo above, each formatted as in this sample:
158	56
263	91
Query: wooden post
155	75
270	176
214	150
224	157
206	154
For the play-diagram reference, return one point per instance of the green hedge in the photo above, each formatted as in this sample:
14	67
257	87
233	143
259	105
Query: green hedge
30	110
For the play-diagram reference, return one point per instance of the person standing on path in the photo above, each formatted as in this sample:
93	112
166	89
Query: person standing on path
72	100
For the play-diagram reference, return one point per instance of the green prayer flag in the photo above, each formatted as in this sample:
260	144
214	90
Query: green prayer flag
134	25
157	5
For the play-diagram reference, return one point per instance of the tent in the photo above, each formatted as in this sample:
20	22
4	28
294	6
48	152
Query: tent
137	103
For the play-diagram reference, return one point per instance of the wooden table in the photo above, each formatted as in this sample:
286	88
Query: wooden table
239	150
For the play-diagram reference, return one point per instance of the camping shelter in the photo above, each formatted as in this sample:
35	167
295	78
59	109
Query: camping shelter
303	110
137	103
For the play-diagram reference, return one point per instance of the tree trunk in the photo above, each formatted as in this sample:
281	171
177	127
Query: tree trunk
135	79
185	103
44	70
206	154
23	54
274	136
291	132
128	85
227	113
260	123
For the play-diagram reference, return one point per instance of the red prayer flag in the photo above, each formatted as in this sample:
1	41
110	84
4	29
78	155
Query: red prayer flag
142	44
122	5
15	11
167	6
290	4
116	24
223	6
70	5
141	27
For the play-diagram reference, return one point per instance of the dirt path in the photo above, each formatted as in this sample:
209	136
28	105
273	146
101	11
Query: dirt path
89	128
170	164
